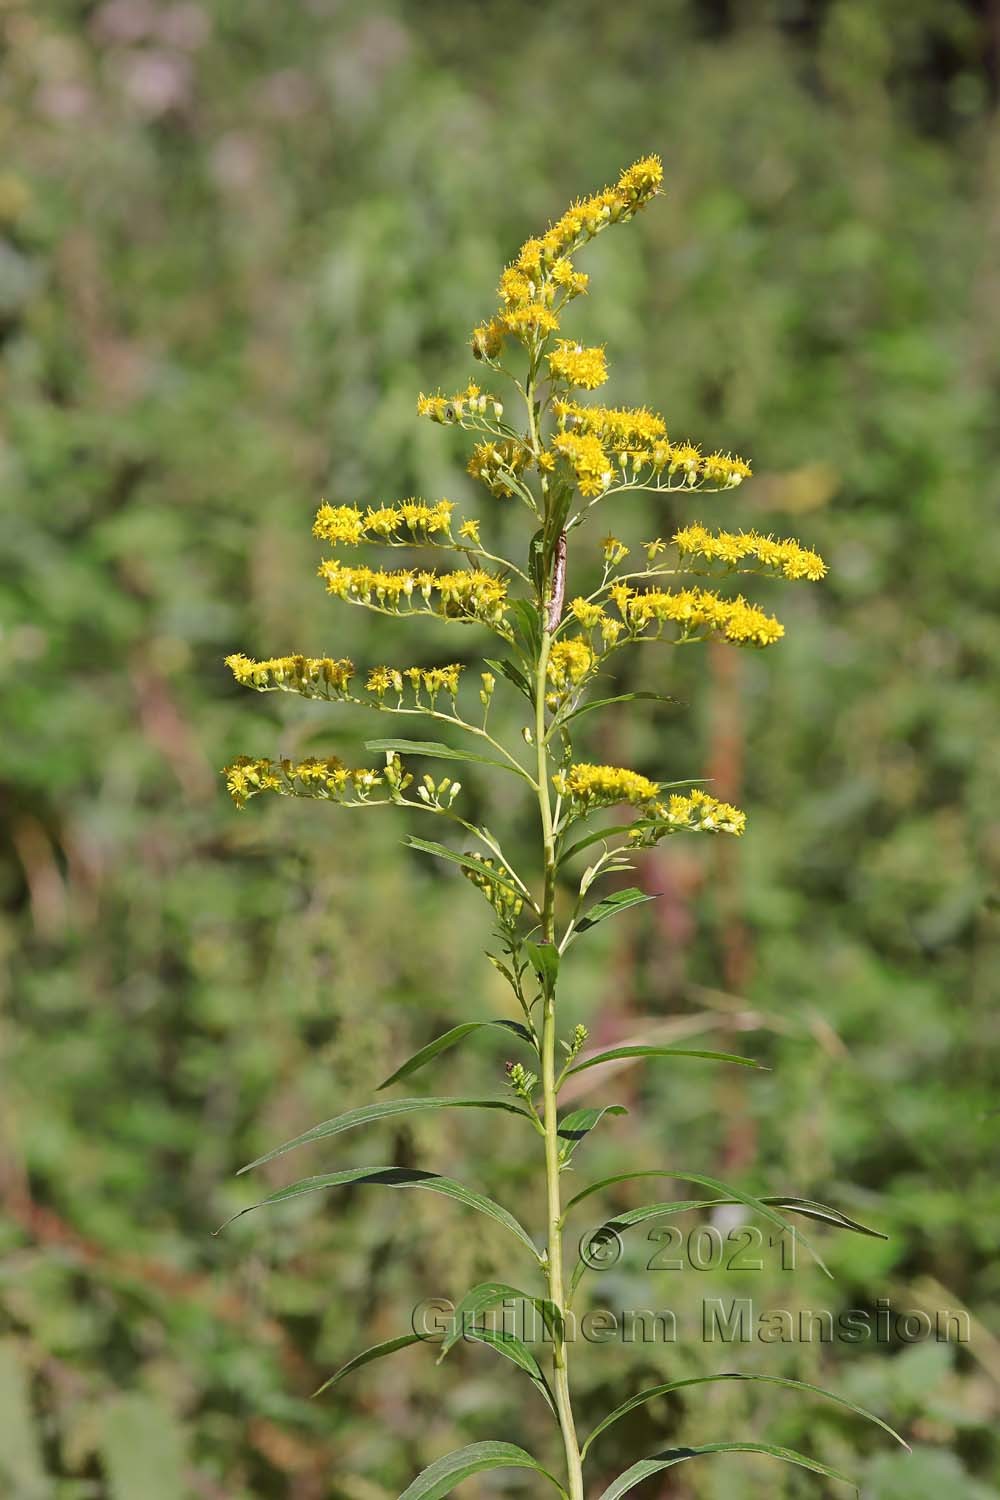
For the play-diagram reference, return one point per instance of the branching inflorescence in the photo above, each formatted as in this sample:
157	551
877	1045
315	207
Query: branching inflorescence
560	458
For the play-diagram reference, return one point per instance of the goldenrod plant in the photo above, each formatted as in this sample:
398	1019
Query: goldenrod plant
564	460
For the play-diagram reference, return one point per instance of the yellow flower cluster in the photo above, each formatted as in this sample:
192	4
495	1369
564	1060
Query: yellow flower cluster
327	779
590	786
468	403
312	676
698	811
543	268
497	465
788	556
569	662
616	427
591	615
471	595
704	812
587	459
697	609
382	680
577	364
347	524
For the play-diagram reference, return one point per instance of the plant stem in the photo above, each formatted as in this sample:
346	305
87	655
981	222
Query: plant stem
554	1263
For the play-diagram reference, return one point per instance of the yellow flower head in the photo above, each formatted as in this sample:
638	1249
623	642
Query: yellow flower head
328	779
570	659
465	595
590	786
698	812
699	609
578	365
628	428
731	547
587	459
498	465
310	676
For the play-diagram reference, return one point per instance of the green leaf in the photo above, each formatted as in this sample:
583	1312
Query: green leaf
637	1215
646	1467
616	902
377	1351
428	846
793	1385
450	1039
487	1294
441	1477
526	616
586	708
513	674
514	1349
822	1214
597	838
618	1052
396	1177
545	962
369	1112
580	1122
436	751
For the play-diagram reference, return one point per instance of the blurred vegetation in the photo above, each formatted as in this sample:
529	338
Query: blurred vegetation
237	238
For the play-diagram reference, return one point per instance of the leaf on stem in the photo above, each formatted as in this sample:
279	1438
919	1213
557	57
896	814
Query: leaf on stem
428	846
514	1349
441	1477
447	1040
646	1467
402	1177
658	1210
611	905
793	1385
369	1112
377	1351
487	1294
436	751
615	1053
580	1122
586	708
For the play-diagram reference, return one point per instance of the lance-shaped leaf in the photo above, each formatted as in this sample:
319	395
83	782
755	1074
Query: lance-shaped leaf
615	1053
657	1210
586	708
450	1039
611	905
428	846
402	1177
479	1299
545	962
642	1397
646	1467
441	1477
366	1113
377	1351
513	674
437	751
514	1349
580	1122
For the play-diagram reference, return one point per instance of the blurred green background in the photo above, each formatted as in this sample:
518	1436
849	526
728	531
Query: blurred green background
236	238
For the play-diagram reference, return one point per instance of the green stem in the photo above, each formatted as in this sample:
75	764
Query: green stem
554	1259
